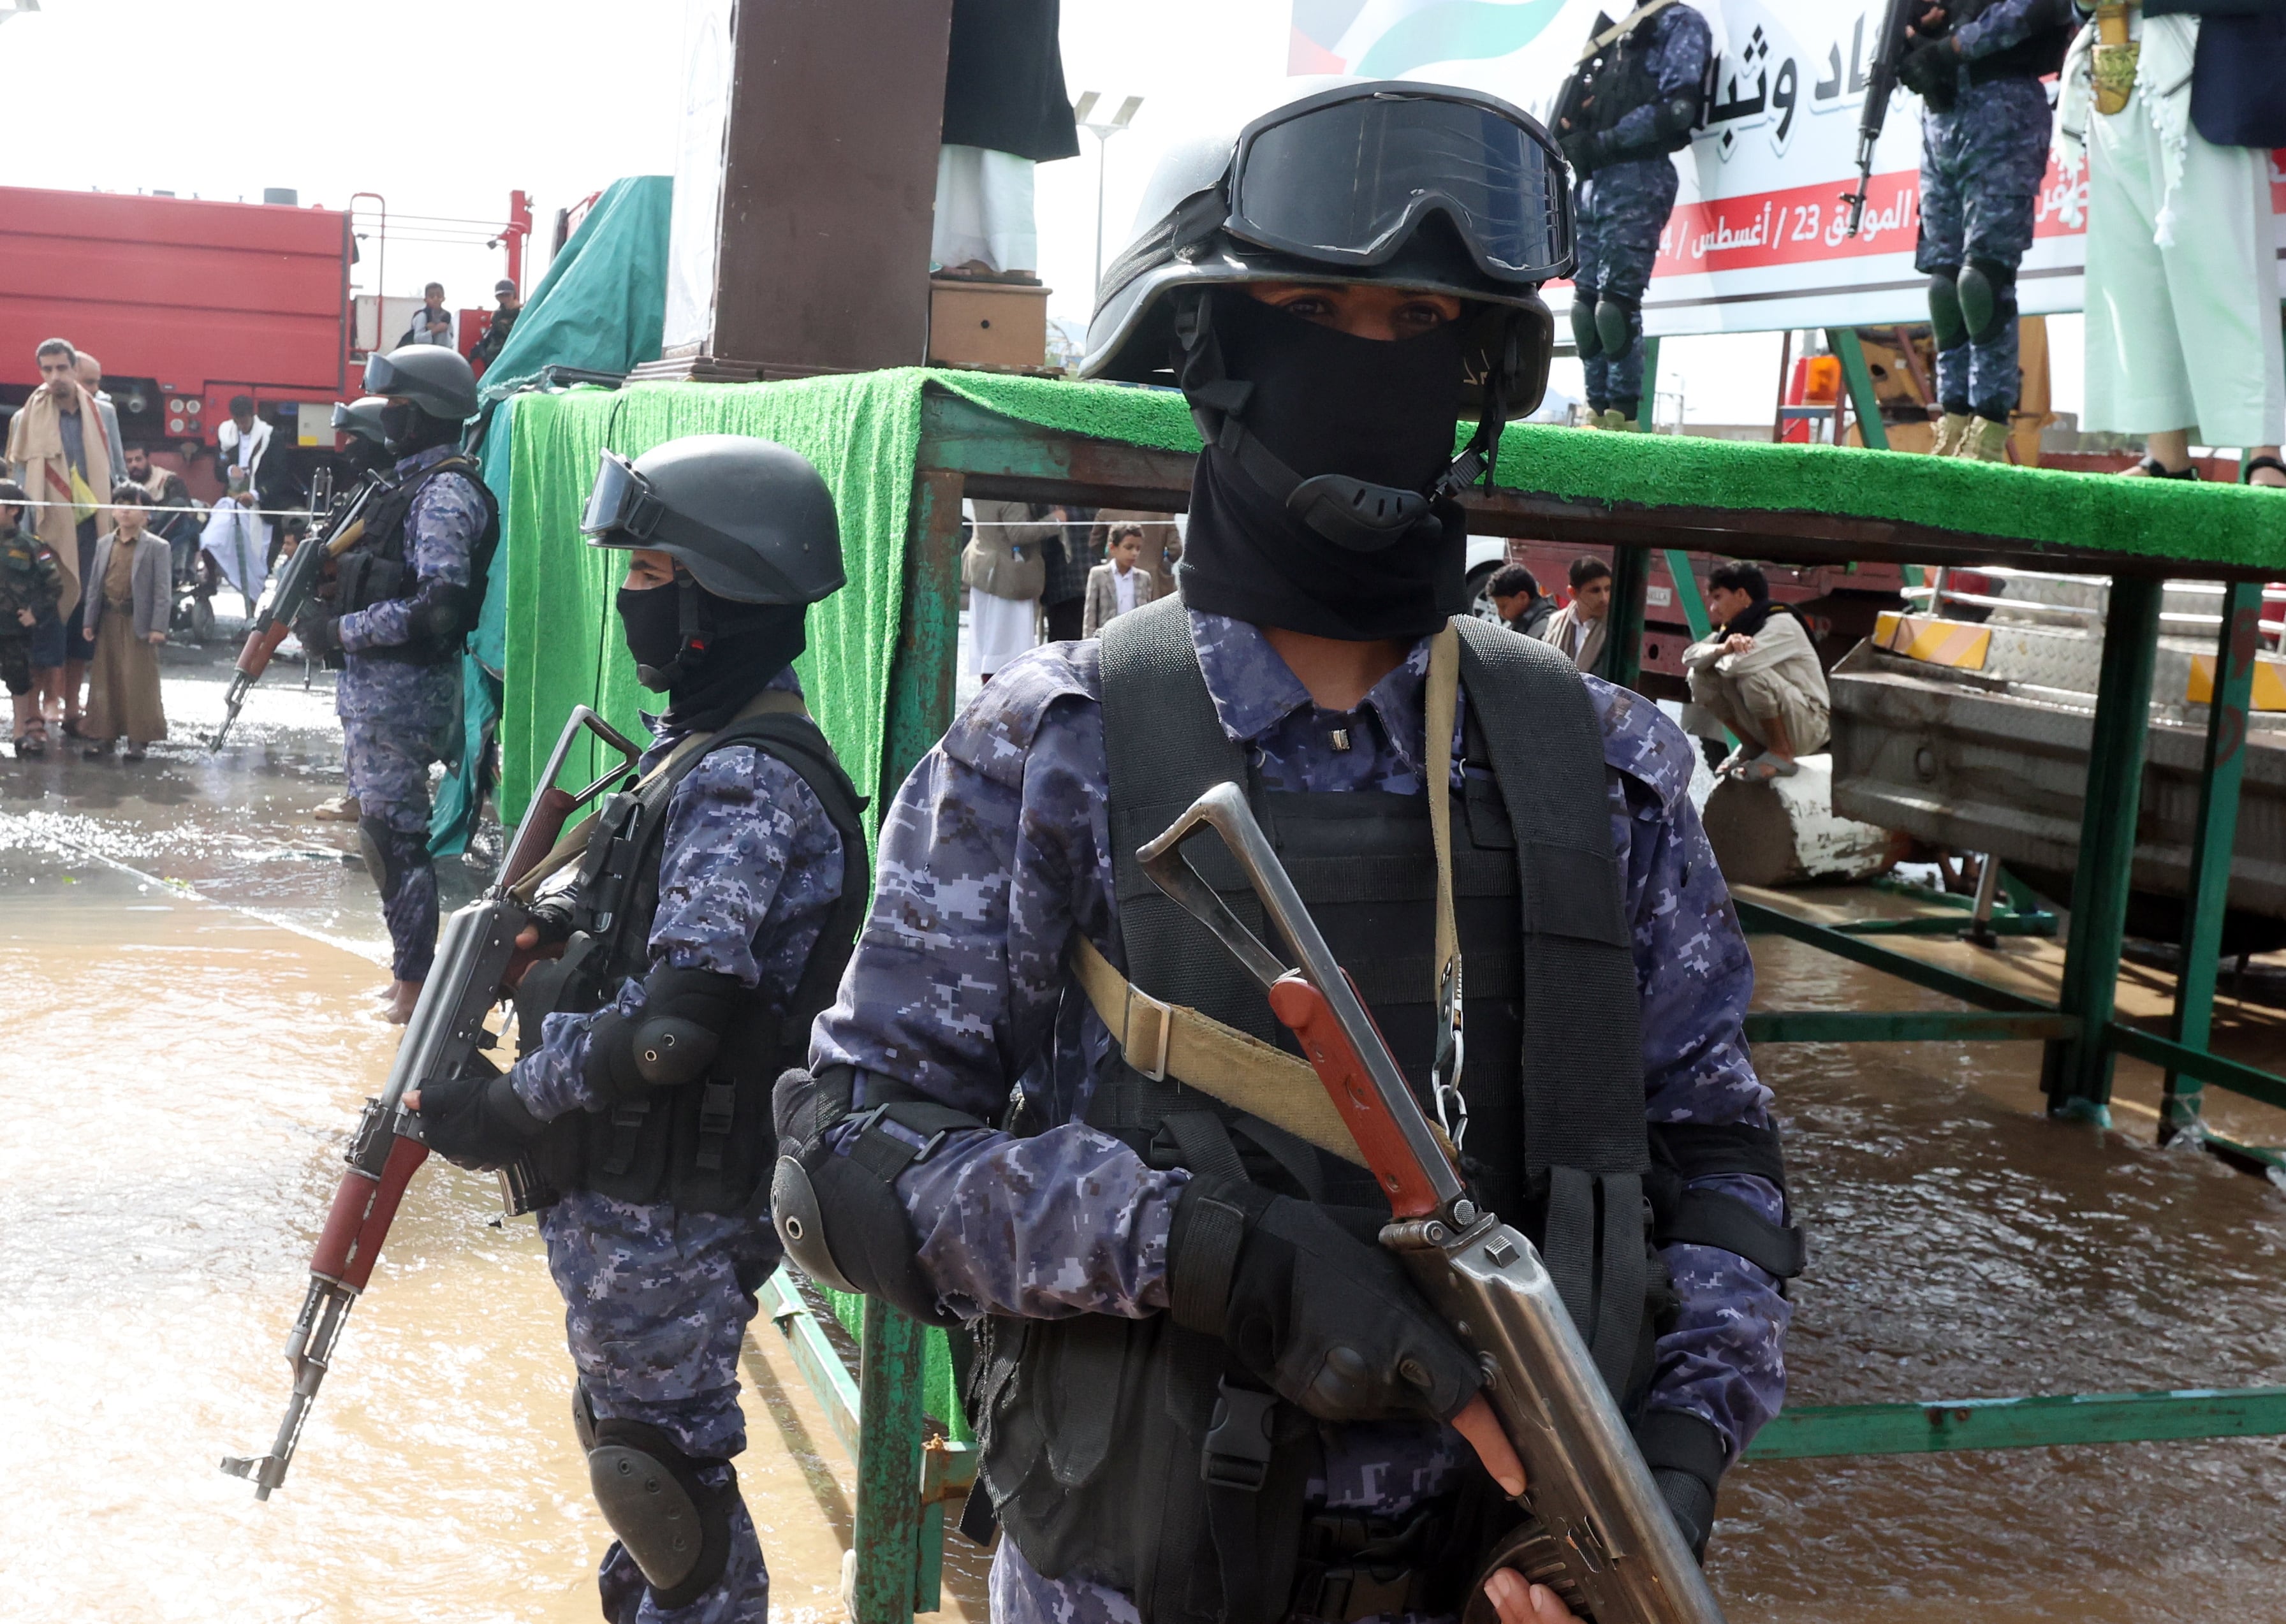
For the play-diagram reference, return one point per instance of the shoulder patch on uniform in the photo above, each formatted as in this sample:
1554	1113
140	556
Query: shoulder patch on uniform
1643	741
995	734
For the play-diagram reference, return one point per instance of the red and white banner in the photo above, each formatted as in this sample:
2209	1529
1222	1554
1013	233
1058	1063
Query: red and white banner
1757	238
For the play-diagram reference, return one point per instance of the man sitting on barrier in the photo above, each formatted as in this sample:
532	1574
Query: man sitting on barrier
989	1136
1757	674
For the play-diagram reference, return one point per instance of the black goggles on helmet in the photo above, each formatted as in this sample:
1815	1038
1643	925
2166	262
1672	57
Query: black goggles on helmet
1346	176
621	501
383	377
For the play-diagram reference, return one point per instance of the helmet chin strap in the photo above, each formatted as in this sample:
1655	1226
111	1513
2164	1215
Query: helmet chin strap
690	645
1355	513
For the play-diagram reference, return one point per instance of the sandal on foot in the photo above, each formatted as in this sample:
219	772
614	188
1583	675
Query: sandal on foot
2152	467
1762	768
2246	473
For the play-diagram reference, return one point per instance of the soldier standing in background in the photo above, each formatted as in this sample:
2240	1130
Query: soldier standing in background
705	930
1977	67
406	598
1638	98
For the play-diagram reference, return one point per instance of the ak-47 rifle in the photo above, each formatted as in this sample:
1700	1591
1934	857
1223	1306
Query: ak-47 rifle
1881	85
447	1038
1599	1533
332	534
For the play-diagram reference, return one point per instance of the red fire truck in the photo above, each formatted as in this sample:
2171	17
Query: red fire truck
188	304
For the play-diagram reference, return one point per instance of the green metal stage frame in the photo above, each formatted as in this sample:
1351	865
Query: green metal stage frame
908	1472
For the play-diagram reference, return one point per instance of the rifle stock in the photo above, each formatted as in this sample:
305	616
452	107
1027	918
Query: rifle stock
446	1039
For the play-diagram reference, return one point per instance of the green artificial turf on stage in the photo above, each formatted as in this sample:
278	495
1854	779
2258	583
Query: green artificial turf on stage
2213	524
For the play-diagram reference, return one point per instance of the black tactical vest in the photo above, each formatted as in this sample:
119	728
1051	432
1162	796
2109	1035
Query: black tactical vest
376	570
1096	1431
1624	82
2036	56
708	1146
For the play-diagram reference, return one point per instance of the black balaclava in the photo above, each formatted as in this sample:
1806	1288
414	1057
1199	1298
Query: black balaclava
411	430
709	668
1328	402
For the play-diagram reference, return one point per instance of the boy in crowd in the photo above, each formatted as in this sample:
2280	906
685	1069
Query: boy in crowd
1119	584
1578	628
129	593
1517	599
31	583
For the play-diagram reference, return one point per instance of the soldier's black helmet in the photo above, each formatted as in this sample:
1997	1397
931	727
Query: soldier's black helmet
439	380
1426	187
750	520
361	418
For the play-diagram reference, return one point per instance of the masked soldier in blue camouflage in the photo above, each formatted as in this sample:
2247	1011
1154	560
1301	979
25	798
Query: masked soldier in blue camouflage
405	598
985	1140
1633	101
705	928
1977	66
703	932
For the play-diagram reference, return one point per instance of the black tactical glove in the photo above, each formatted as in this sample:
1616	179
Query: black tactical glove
320	633
551	917
1582	151
1931	72
1329	1320
476	1122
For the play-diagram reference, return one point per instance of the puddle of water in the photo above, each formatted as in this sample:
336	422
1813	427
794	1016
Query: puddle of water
180	1076
177	1138
1963	1246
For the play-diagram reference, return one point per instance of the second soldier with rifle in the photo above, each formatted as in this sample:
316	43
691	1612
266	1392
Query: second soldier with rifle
406	597
1204	1392
704	925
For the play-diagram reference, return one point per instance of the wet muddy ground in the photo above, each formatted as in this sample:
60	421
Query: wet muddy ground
187	1036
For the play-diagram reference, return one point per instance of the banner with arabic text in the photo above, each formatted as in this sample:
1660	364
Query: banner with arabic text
1758	237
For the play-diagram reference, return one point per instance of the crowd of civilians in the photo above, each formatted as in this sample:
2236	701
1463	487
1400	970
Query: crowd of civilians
1035	570
1754	678
97	544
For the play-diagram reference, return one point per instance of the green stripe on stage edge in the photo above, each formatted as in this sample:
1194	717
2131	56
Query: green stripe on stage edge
2020	1424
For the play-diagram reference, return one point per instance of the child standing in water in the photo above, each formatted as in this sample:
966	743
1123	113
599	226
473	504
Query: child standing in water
128	590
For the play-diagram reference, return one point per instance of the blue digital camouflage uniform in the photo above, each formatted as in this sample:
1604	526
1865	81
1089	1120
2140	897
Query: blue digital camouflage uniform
1982	164
399	715
656	1300
998	847
1620	209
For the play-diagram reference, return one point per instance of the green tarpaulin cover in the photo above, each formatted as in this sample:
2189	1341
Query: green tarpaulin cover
601	307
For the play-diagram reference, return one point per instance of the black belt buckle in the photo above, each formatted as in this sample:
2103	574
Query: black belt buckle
1237	1452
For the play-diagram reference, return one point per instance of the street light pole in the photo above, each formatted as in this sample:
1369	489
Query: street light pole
1103	131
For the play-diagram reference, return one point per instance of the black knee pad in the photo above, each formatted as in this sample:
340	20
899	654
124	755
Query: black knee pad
1583	326
1945	309
1617	322
1988	299
675	1527
390	853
